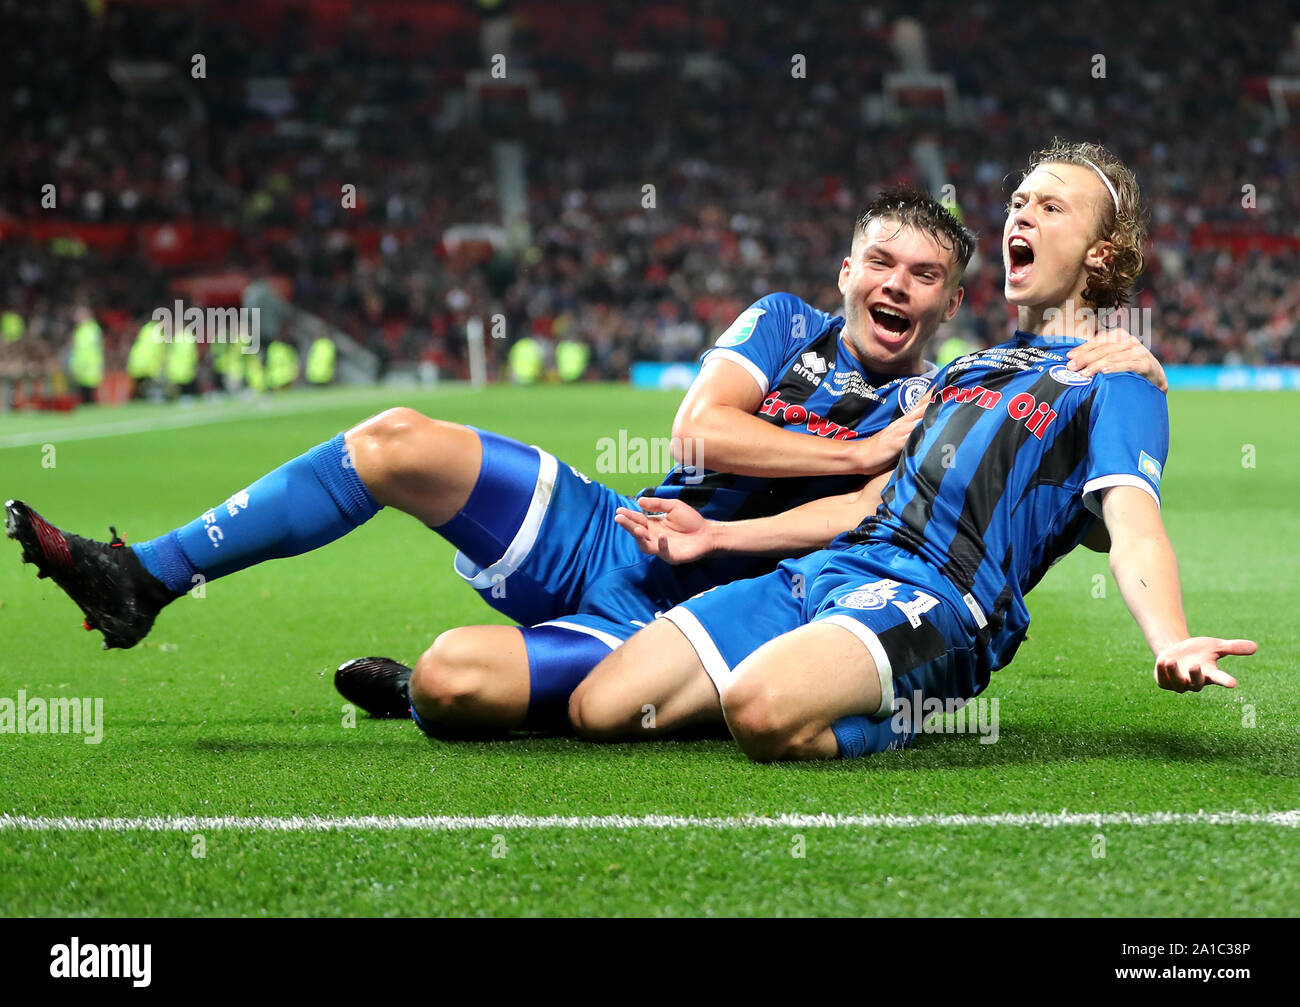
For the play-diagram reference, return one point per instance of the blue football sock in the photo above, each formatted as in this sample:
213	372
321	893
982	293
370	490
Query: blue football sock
300	506
858	736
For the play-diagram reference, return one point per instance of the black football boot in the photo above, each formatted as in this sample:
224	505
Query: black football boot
110	585
376	684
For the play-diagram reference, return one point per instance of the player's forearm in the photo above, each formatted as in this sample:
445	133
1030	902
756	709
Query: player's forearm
796	531
727	439
1146	571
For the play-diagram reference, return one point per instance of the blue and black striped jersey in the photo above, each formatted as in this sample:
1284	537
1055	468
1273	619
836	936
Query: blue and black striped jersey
1003	475
812	384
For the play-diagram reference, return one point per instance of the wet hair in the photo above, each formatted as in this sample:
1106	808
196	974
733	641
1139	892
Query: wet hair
913	208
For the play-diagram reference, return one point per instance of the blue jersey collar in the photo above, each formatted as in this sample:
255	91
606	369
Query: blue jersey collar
1051	342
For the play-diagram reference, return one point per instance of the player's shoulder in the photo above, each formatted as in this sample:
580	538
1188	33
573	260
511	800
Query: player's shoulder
794	311
1128	384
1125	395
1110	377
777	316
783	301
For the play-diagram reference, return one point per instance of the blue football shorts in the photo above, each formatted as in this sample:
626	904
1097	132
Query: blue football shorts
926	640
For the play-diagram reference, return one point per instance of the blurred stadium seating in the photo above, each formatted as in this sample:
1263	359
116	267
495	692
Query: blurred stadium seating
524	196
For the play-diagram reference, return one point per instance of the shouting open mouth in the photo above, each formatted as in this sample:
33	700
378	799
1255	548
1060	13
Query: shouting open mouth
1020	259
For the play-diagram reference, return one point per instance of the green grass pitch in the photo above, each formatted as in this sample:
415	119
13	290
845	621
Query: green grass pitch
228	711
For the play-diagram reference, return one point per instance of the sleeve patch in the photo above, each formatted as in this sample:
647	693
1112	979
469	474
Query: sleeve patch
1150	467
742	328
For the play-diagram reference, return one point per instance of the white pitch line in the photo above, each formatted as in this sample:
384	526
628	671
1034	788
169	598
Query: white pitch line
465	823
180	417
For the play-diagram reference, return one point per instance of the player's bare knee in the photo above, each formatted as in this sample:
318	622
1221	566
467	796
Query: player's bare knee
575	706
754	714
803	742
448	676
585	712
421	688
770	745
595	714
389	428
391	444
586	702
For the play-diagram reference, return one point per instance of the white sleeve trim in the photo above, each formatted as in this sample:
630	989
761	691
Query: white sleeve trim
1092	488
722	353
881	659
714	666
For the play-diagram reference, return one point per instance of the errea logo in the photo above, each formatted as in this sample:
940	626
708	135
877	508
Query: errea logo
810	367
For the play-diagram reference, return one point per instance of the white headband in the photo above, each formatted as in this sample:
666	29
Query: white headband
1105	181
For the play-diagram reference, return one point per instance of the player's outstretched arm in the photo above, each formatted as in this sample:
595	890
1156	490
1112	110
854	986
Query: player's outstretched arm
1143	562
678	533
716	427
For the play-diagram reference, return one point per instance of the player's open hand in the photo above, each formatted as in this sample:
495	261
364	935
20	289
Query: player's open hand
670	529
881	450
1116	350
1193	664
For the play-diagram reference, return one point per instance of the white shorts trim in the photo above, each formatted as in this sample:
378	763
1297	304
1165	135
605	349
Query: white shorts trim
608	639
1092	499
883	669
714	666
525	538
722	353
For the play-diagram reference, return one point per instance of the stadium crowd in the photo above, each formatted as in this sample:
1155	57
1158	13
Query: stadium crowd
682	166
